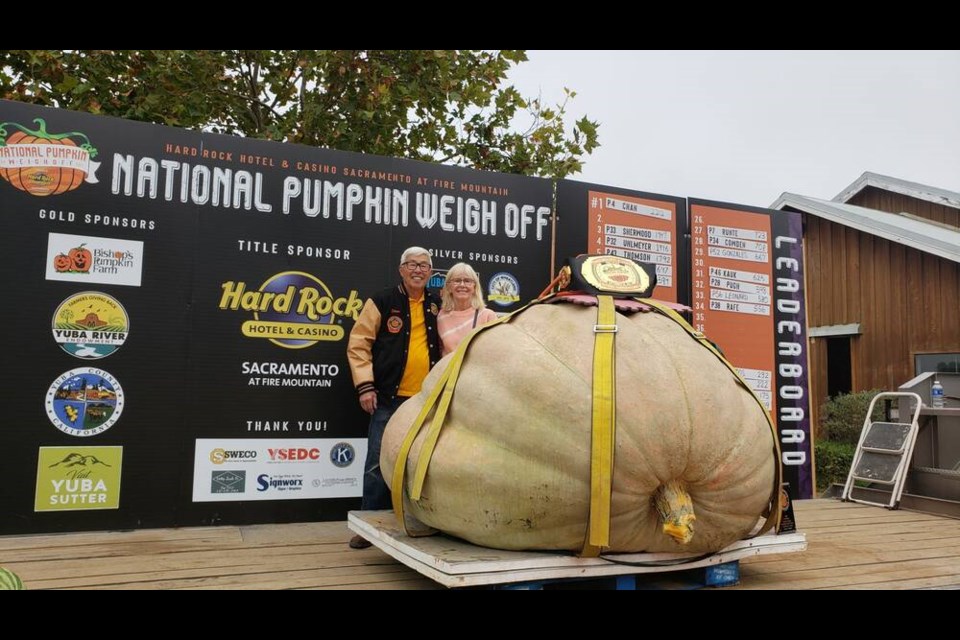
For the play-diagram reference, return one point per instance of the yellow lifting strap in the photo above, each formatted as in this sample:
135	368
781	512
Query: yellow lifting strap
773	517
442	391
603	428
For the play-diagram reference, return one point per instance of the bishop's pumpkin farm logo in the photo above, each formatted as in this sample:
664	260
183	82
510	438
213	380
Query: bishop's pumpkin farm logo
90	325
43	163
88	259
293	309
84	402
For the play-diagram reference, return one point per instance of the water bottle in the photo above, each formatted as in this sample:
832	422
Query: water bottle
936	395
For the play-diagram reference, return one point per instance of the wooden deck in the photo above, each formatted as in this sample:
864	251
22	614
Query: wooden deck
851	546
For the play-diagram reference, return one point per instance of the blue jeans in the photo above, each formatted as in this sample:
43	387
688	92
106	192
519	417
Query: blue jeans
376	492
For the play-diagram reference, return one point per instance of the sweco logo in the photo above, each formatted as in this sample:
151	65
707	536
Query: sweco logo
219	456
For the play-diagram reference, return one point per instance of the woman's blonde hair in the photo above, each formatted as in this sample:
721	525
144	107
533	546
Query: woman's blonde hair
462	270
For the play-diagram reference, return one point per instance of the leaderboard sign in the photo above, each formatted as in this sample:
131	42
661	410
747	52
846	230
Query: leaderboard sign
641	226
182	302
747	296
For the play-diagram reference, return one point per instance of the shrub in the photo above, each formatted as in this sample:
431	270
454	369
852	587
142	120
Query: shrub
9	581
841	417
833	462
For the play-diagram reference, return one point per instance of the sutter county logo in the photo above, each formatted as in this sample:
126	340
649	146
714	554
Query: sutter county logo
43	163
292	309
503	289
84	401
90	325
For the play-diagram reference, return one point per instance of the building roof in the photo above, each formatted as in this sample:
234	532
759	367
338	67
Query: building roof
921	234
904	187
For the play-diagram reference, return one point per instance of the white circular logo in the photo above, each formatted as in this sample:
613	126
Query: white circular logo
90	325
84	402
503	289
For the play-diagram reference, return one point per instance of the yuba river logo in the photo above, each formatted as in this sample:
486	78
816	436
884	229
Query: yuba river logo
43	163
90	325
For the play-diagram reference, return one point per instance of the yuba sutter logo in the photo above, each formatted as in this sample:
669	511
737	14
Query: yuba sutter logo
90	325
84	402
78	478
292	309
43	163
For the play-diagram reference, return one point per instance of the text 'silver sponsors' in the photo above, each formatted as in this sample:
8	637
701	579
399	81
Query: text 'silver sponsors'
292	309
43	163
90	325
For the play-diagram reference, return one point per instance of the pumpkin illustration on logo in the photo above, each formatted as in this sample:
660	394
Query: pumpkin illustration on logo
81	259
77	260
42	163
62	263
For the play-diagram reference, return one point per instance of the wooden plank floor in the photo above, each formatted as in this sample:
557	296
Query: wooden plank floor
851	546
854	546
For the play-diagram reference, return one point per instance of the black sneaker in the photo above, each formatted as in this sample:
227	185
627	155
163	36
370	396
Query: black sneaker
358	542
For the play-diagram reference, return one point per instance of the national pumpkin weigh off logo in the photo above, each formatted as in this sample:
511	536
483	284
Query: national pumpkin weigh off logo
43	163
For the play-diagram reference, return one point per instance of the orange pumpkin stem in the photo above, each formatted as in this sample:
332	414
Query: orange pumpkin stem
676	511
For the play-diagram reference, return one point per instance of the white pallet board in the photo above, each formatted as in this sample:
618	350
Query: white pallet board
455	563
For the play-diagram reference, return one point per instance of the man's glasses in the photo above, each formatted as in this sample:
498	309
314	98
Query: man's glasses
417	266
460	281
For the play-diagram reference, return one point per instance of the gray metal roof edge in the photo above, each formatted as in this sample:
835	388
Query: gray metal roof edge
905	187
877	223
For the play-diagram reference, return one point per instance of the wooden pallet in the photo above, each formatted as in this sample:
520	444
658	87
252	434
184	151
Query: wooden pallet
455	563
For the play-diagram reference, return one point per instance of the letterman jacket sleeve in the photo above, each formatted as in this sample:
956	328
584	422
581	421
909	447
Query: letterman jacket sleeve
360	347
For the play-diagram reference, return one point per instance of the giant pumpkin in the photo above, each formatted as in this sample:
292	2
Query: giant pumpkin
511	468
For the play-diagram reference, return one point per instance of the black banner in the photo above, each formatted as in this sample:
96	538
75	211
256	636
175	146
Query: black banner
181	303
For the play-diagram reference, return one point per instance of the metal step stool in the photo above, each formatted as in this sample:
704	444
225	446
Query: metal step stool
883	452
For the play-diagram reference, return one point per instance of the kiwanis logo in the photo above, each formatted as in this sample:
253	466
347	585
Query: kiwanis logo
90	325
292	309
43	163
84	402
342	454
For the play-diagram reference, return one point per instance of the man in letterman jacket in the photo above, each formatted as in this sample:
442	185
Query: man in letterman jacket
392	347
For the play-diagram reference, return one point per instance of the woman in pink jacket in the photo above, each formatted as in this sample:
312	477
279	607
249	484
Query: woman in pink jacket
463	307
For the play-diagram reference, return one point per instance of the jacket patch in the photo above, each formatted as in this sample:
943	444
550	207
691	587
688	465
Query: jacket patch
394	324
434	309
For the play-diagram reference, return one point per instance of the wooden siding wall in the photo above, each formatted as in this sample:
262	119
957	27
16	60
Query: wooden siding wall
873	198
906	302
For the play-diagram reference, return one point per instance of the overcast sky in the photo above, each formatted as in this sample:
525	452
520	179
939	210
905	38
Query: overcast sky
743	127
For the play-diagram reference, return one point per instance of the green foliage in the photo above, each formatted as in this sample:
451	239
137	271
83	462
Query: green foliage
841	417
447	106
9	581
833	462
